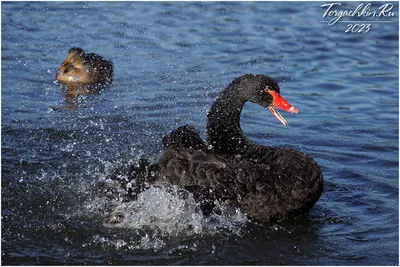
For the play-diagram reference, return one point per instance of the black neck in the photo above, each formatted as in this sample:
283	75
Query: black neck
223	123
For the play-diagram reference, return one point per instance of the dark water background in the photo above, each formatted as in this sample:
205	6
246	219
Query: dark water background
171	59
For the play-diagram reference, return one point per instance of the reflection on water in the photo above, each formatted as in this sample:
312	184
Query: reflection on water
72	92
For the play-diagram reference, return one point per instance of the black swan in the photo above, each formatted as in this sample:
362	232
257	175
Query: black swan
265	183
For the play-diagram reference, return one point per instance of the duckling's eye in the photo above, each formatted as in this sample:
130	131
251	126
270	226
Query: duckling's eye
67	68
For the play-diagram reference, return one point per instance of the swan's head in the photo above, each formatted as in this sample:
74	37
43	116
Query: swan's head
264	91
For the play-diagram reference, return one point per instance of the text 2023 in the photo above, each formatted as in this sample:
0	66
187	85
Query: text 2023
358	28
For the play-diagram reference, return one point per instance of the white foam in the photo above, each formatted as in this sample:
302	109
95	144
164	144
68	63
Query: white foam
170	211
158	213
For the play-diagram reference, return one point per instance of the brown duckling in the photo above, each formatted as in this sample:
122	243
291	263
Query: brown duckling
84	69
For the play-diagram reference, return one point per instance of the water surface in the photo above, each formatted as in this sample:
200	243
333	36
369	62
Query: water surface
170	60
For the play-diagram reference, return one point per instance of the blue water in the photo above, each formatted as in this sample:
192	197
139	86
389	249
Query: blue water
170	61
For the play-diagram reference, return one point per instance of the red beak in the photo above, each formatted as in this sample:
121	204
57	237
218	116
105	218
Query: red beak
280	102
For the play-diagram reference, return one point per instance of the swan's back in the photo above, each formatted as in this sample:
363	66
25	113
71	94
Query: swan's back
287	183
267	184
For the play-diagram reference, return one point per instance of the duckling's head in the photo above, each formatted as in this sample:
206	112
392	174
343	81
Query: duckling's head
82	68
73	68
76	56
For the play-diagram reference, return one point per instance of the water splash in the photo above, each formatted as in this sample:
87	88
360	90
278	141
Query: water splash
168	210
159	213
143	242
